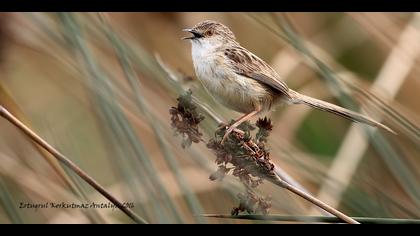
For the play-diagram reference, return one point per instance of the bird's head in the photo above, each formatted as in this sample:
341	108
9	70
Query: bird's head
211	33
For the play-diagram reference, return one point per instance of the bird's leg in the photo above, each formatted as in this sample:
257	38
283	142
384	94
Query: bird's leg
223	125
239	121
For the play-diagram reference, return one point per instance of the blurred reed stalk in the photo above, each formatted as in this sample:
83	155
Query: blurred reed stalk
355	144
7	100
119	124
67	162
131	77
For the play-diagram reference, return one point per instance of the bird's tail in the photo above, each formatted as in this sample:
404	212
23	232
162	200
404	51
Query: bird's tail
298	98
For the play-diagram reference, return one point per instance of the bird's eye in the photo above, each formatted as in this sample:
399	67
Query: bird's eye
209	33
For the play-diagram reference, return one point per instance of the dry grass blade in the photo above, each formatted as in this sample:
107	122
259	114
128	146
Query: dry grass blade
318	219
64	160
120	123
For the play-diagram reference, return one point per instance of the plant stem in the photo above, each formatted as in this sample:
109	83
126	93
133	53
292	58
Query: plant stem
323	219
279	182
63	159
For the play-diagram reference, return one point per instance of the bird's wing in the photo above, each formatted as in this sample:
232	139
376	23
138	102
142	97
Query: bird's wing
247	64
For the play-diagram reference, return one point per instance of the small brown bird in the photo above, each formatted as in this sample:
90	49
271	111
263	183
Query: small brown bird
242	81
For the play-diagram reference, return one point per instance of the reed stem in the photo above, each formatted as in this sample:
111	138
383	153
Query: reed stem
67	162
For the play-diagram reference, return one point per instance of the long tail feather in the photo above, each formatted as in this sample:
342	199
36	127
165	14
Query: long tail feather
298	98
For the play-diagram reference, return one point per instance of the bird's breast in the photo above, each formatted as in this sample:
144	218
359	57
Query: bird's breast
237	92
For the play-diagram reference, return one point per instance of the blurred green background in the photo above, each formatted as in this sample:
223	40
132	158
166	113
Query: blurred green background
98	87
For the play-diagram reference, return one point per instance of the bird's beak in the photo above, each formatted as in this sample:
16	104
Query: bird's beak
194	36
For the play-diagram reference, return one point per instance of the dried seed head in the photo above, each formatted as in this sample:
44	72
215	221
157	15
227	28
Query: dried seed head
185	120
244	153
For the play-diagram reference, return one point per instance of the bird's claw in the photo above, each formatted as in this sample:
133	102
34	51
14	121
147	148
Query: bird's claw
226	135
229	131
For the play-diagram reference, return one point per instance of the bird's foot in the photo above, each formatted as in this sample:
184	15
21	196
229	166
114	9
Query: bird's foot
228	131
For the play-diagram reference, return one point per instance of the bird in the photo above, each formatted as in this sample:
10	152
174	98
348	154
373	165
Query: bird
243	82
